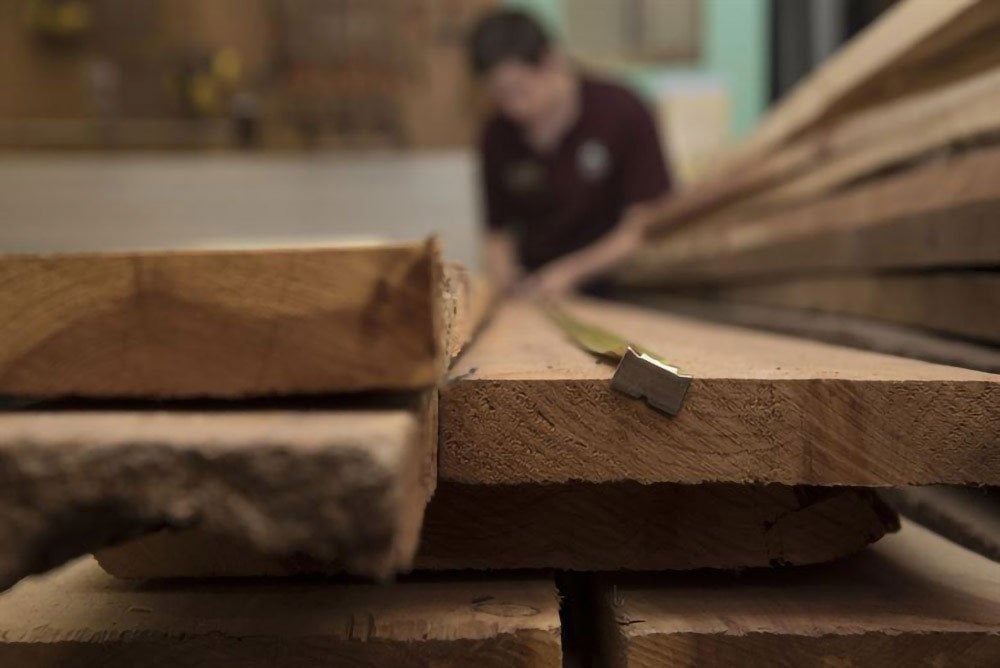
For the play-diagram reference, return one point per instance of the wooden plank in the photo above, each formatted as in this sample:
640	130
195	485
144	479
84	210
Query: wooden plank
224	324
939	215
81	616
915	46
573	526
958	303
913	599
838	329
344	486
525	405
874	141
468	300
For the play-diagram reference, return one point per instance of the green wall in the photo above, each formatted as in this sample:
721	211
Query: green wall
735	45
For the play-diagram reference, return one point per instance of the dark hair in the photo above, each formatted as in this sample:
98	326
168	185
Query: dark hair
507	34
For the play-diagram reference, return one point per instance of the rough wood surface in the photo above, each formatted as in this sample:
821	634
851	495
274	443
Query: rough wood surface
937	215
225	324
958	303
914	599
79	616
526	405
346	486
833	328
574	526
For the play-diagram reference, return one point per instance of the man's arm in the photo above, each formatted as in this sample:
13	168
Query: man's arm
499	251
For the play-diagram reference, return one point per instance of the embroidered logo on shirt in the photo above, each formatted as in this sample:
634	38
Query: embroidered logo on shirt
523	176
593	160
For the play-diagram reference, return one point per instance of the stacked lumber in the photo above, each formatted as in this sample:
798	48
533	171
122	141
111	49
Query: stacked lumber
345	478
532	436
867	195
210	424
535	464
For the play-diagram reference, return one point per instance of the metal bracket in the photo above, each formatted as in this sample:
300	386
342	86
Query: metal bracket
640	376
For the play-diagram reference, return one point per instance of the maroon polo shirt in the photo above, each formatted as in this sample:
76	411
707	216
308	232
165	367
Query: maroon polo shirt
558	202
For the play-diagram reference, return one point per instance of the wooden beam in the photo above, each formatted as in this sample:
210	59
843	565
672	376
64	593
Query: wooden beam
938	215
223	324
913	598
889	137
526	405
832	328
573	526
958	303
916	46
80	616
343	486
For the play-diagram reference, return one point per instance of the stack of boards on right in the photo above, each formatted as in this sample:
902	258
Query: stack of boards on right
864	208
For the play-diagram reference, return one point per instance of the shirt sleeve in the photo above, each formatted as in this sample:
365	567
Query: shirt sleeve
495	202
645	175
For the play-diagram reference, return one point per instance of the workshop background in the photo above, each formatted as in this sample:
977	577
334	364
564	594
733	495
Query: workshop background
183	123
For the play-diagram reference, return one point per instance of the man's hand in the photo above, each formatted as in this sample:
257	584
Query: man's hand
568	273
556	279
500	261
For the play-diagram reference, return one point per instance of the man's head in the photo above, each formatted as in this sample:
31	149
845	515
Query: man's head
521	68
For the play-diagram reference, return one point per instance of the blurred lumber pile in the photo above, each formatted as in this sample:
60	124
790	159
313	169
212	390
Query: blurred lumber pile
868	194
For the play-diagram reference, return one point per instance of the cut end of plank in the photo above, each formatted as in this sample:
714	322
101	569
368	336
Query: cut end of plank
222	324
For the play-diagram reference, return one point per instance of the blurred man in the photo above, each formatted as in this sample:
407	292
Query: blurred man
569	162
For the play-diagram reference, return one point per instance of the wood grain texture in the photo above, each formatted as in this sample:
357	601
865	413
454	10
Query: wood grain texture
958	303
80	616
573	526
937	215
839	329
914	599
526	405
346	487
222	324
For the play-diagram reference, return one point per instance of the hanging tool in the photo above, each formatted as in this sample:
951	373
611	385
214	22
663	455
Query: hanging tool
640	374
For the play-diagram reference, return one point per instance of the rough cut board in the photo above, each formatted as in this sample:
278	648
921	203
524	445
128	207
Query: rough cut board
346	486
575	526
526	405
224	324
80	616
959	303
834	328
915	46
938	215
915	599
